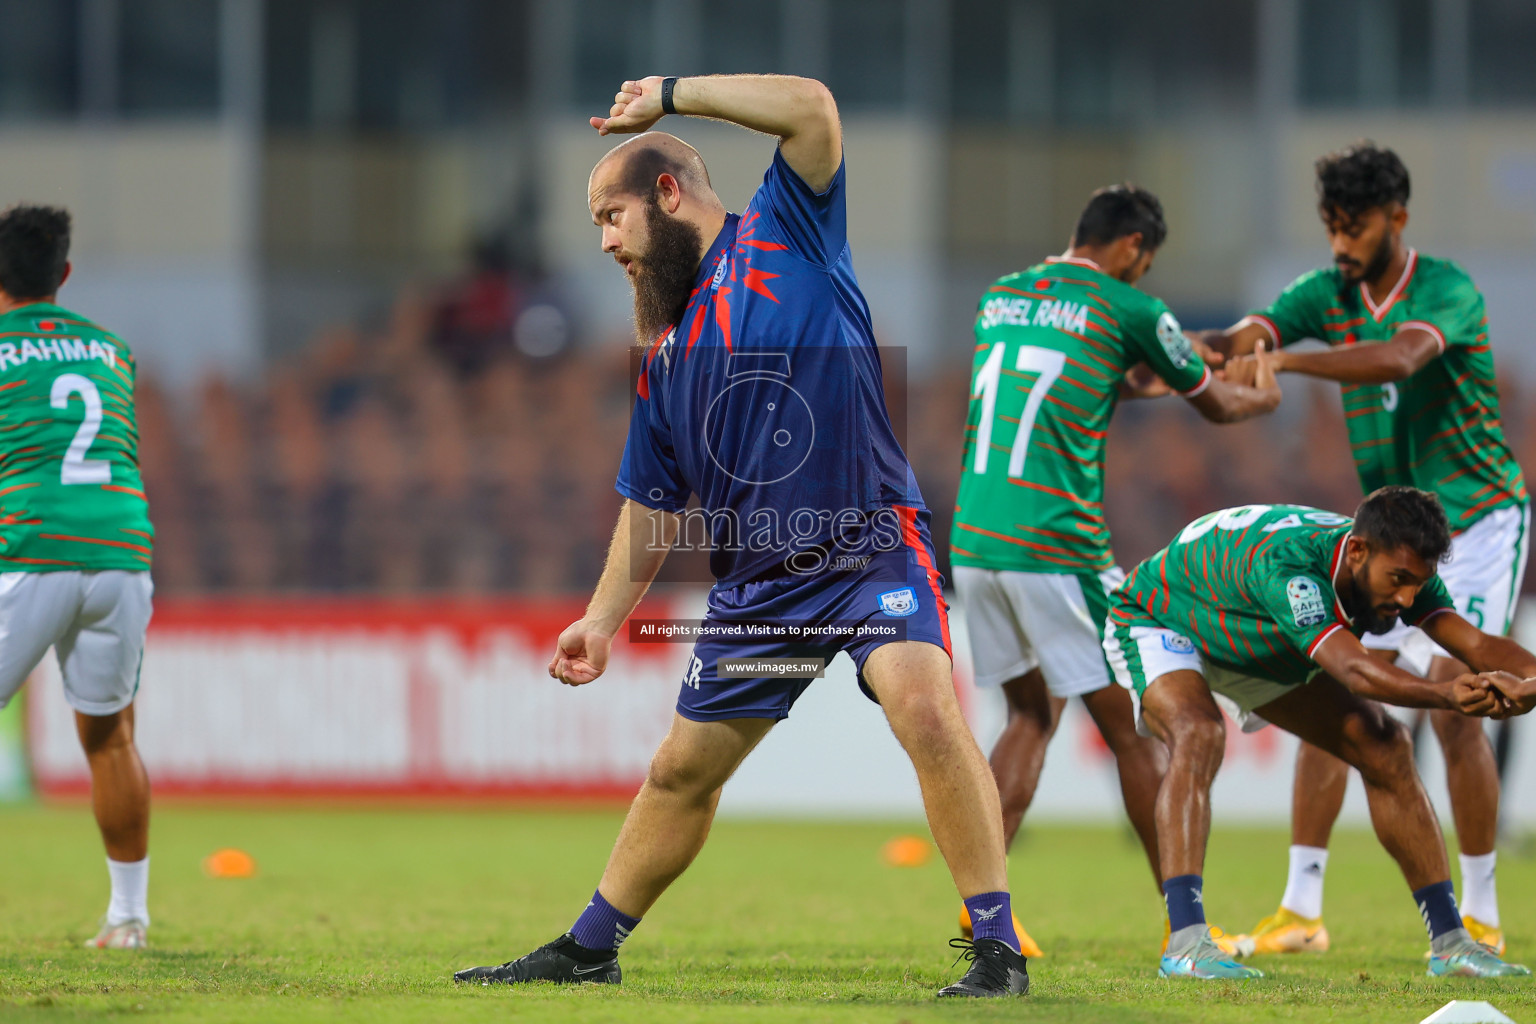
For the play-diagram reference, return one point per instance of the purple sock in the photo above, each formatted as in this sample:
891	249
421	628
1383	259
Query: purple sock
992	918
600	926
1437	906
1186	905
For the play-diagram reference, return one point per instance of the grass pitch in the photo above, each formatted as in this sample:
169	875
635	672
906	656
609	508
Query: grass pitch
363	914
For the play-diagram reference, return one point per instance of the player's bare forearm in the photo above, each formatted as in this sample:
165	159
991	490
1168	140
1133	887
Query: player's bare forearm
1239	339
1390	685
1395	360
1482	652
1213	345
1224	402
1141	382
1346	659
1501	654
800	111
635	557
1519	694
1228	401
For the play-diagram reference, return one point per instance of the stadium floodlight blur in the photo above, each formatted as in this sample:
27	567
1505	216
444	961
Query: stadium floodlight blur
377	351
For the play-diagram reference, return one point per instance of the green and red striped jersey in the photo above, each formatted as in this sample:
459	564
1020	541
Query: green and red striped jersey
1252	587
1439	430
70	493
1052	344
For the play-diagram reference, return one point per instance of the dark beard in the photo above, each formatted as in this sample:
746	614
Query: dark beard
1362	614
664	276
1378	265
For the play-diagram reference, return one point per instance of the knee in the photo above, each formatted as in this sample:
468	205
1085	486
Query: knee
924	720
1126	745
1456	732
681	776
1116	722
1198	738
1032	712
105	735
1381	746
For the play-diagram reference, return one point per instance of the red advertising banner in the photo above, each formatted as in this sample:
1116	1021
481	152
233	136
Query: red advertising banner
354	697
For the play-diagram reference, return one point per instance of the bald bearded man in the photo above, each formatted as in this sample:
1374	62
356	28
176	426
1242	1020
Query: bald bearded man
760	393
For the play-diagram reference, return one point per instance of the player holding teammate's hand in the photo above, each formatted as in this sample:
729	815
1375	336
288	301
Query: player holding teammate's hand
1517	696
1256	371
1474	695
636	108
581	654
1214	358
1250	370
1264	368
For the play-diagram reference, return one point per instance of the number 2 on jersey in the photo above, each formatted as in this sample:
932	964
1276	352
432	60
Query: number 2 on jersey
76	468
1048	364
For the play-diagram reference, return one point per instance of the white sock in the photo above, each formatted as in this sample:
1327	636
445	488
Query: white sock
130	891
1479	893
1304	885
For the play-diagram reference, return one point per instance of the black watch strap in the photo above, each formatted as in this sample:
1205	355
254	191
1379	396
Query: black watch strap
667	85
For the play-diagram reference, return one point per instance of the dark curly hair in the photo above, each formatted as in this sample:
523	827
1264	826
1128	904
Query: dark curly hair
34	250
1393	517
1121	210
1361	177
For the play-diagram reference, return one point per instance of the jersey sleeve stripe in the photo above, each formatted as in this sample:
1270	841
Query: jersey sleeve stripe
1205	382
1264	322
94	540
1312	648
1424	325
1431	615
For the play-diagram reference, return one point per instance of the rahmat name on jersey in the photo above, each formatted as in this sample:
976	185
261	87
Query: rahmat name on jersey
64	350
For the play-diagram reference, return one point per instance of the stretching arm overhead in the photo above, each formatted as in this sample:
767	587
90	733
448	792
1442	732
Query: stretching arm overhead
800	111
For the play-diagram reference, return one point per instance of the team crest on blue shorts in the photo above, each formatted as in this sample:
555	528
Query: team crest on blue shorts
1176	644
900	603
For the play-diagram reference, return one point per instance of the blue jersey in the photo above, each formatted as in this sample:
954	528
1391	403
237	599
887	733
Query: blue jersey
766	399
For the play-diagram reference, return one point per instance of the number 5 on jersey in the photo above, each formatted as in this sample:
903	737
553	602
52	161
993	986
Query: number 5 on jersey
1048	364
76	468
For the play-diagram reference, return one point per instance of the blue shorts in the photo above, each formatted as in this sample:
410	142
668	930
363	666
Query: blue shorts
897	596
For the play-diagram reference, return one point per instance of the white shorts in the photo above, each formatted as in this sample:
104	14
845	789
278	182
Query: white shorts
1019	621
1484	573
1156	652
95	621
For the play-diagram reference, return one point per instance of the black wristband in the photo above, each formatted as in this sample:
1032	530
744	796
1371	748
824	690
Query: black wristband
667	84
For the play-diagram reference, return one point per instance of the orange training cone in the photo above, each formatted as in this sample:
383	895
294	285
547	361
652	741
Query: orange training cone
907	852
229	863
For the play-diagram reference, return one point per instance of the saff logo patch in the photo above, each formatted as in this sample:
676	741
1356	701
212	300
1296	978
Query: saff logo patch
1171	336
1306	598
1173	643
899	603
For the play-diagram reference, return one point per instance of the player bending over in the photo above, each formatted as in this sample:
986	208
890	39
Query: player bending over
759	342
75	537
1259	608
1408	339
1032	556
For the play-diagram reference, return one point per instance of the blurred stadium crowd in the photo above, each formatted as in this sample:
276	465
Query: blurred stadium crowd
432	454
